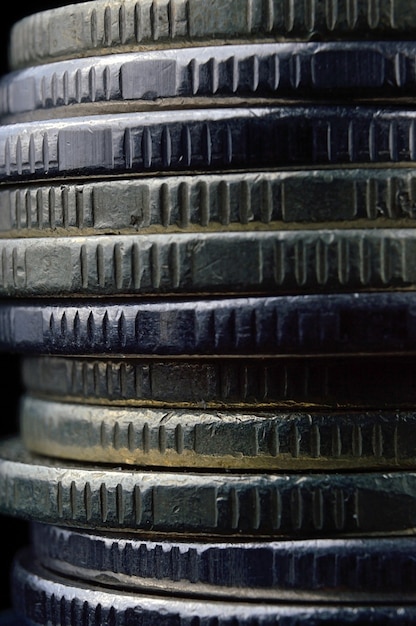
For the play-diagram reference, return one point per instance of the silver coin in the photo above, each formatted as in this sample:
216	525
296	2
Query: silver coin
269	505
209	76
262	200
204	140
302	384
369	569
269	440
98	27
247	262
44	597
336	324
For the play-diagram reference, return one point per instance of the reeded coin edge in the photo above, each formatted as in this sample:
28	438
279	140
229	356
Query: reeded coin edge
270	440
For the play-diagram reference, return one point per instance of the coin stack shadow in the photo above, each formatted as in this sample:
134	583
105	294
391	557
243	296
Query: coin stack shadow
207	266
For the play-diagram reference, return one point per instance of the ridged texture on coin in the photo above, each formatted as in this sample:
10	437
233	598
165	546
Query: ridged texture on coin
203	140
368	569
382	323
187	438
98	27
210	76
267	505
262	200
48	598
358	382
249	263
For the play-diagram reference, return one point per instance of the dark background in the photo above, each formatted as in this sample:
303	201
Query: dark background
13	532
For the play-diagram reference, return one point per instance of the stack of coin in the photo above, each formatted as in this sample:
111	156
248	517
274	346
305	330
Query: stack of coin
207	263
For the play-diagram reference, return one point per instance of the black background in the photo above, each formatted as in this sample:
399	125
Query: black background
13	532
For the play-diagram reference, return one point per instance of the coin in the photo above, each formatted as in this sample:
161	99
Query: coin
270	440
263	200
204	140
209	76
360	382
269	505
44	597
378	323
331	570
248	263
96	27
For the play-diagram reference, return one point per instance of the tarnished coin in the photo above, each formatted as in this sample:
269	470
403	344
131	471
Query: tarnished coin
269	440
230	263
161	502
97	27
331	570
203	140
354	382
209	76
44	597
262	200
379	323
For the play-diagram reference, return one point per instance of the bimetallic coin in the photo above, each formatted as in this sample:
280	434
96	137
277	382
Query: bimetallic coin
161	502
262	200
204	140
207	76
99	27
331	570
248	263
269	440
354	382
378	323
44	597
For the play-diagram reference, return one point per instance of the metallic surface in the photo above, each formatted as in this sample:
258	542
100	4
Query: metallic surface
209	76
382	323
98	27
233	263
268	505
47	598
267	440
247	383
204	140
330	570
379	197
